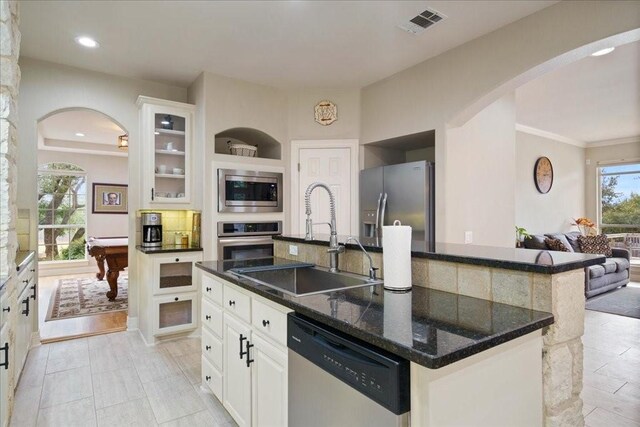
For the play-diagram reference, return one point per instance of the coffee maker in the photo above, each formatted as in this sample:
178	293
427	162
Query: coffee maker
151	230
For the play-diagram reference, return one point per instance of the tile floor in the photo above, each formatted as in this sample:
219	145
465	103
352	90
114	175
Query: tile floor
115	380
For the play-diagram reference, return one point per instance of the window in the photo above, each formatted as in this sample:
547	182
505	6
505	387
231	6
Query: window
62	214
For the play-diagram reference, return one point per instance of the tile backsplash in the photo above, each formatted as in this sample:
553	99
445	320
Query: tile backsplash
173	221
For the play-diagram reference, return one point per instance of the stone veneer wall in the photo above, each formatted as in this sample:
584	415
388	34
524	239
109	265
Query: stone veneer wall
561	294
9	83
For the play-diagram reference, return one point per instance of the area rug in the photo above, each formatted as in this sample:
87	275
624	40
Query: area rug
623	301
75	297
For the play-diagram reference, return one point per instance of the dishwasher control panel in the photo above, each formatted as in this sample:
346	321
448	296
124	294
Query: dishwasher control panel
374	372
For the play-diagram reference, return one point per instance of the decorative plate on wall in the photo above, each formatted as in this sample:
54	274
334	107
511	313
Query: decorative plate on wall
326	112
543	175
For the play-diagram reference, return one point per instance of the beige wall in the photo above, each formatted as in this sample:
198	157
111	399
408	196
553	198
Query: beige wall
301	120
480	198
598	156
449	89
48	87
100	169
551	212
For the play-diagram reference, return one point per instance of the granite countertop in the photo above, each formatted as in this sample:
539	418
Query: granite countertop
531	260
429	327
167	249
23	258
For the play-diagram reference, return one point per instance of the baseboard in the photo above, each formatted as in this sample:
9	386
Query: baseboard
132	323
59	270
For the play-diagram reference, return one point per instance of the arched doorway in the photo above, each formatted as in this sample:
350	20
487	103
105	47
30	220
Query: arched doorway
82	195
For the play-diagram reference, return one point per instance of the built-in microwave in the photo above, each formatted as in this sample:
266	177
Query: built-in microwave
249	191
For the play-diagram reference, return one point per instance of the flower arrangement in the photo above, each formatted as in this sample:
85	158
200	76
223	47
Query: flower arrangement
585	225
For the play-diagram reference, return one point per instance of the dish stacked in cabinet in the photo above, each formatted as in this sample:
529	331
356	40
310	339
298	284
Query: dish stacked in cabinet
244	353
170	296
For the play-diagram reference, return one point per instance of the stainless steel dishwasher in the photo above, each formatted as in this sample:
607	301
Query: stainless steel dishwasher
335	380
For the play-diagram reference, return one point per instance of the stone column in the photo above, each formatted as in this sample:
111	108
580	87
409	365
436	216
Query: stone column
9	83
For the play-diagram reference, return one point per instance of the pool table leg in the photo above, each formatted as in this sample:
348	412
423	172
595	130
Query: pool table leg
112	279
100	261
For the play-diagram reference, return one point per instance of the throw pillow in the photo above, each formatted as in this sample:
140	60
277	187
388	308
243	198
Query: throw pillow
534	242
555	245
572	237
595	245
562	238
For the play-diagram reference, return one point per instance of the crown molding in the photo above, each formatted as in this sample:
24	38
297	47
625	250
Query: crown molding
550	135
617	141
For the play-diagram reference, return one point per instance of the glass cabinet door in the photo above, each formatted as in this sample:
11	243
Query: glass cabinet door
170	157
175	274
175	313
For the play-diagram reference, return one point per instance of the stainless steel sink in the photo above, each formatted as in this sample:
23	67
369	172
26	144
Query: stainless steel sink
298	280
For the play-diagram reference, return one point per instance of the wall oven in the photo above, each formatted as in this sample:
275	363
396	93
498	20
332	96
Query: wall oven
249	191
244	240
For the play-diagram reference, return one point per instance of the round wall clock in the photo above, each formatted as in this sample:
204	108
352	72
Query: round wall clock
543	174
326	112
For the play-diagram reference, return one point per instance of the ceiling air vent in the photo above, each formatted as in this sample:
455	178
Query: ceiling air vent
421	22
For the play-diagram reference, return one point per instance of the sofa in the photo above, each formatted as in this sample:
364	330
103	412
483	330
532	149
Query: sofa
599	278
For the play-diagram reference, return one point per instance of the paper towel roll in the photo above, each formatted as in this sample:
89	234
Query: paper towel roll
397	317
396	256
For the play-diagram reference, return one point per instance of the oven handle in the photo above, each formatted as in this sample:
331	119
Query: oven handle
240	178
241	241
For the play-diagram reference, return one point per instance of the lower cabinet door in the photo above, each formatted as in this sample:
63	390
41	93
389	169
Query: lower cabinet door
237	372
4	377
269	384
175	313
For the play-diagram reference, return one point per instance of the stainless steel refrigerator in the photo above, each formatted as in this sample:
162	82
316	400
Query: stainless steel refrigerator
402	192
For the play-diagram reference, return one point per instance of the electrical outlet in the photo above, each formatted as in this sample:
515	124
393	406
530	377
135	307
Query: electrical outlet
293	250
468	237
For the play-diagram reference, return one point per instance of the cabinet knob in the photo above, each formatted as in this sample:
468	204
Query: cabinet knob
207	317
177	259
33	270
207	347
175	299
207	378
232	303
265	323
208	289
25	281
8	309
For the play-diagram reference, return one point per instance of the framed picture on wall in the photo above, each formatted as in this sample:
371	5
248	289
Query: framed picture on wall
110	199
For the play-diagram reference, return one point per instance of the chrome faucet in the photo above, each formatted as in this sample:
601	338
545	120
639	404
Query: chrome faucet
334	248
372	269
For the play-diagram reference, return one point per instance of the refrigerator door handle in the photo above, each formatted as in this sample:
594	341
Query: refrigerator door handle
382	209
375	231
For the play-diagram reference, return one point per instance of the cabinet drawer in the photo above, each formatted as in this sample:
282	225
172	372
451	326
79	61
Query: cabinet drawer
212	348
269	321
212	289
212	317
211	378
237	303
4	306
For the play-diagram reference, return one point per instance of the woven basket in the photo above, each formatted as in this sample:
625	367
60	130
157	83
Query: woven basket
243	150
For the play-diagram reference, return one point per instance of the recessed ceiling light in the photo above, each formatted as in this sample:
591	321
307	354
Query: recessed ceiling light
86	41
603	51
79	134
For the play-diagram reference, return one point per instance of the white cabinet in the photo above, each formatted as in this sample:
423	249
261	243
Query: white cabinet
25	307
166	129
269	384
254	367
169	294
4	376
237	370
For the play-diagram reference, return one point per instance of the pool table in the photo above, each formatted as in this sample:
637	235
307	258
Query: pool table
114	250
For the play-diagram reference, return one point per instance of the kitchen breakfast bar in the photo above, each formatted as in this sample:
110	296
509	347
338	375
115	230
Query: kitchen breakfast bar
496	331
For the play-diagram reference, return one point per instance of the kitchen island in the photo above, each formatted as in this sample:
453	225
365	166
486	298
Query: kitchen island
465	351
546	281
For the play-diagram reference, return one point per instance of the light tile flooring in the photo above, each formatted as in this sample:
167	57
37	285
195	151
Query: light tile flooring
115	380
611	392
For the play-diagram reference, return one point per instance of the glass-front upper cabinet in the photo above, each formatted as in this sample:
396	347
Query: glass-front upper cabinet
167	129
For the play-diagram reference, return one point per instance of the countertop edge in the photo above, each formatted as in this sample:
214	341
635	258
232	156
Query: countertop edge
486	262
165	250
386	343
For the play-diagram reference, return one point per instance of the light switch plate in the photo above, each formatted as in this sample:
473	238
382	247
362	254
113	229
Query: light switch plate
293	250
468	237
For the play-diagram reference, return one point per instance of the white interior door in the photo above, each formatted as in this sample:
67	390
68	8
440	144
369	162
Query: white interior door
331	166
